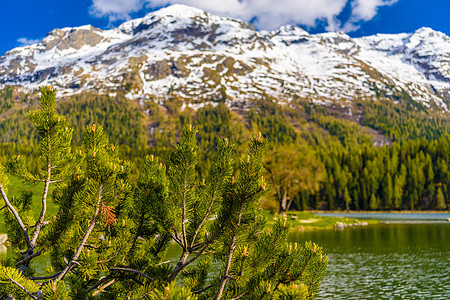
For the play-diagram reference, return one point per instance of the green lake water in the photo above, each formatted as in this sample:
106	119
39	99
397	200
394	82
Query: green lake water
385	261
382	261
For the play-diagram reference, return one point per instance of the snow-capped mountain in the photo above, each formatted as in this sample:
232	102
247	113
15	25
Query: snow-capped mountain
186	52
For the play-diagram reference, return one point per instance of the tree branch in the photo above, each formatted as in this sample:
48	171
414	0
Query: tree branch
43	224
23	289
204	218
181	265
138	232
16	215
175	236
28	258
114	255
40	221
44	277
99	282
131	270
144	296
86	236
100	289
226	275
183	225
239	296
51	181
202	290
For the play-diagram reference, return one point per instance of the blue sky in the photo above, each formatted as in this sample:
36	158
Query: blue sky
27	21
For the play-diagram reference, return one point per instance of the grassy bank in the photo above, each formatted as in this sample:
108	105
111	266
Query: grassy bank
16	187
309	221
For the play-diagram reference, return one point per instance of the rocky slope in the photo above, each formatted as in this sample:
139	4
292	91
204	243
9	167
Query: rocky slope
186	52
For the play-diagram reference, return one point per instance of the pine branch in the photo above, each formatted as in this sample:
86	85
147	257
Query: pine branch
143	296
313	282
16	216
51	181
44	277
306	264
131	270
85	238
39	223
109	259
24	289
178	241
213	237
202	290
176	238
138	232
183	218
239	296
43	224
28	258
195	247
204	218
226	275
100	289
98	283
179	266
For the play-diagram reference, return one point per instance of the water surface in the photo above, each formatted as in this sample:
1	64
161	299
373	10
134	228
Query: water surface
431	217
385	261
382	261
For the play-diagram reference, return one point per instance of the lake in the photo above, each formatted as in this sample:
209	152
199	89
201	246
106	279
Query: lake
385	261
407	260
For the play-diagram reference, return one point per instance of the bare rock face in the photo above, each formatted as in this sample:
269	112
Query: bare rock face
52	39
185	52
74	38
77	38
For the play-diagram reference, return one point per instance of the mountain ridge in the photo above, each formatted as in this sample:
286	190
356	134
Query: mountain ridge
199	57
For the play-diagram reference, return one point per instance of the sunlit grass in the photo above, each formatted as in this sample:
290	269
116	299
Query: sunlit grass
15	189
309	221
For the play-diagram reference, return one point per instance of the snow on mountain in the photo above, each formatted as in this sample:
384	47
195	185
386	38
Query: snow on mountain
184	51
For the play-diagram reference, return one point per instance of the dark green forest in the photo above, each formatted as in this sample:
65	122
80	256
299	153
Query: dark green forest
373	155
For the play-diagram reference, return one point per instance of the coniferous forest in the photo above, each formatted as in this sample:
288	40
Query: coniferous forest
373	155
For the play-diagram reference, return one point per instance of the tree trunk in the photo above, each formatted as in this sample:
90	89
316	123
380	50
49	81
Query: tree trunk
283	205
180	265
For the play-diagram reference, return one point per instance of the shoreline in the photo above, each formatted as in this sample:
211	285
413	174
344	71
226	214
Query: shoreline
339	220
378	211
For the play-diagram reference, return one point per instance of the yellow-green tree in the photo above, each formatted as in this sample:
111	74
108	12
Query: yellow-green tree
293	168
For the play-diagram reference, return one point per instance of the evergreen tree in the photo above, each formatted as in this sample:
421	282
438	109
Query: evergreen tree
440	200
347	199
374	202
109	236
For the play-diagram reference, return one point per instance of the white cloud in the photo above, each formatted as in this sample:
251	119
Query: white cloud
365	10
115	9
27	41
268	14
265	14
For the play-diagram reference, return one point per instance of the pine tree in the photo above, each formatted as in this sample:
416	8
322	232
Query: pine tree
440	200
109	237
374	203
347	199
